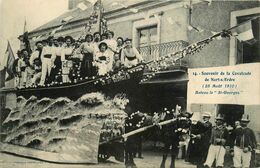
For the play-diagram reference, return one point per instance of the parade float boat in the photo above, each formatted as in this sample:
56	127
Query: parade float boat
74	122
123	80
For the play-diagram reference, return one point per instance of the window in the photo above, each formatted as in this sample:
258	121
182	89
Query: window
241	52
249	51
147	39
147	36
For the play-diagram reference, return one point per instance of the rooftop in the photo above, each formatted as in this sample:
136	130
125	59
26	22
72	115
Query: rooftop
110	7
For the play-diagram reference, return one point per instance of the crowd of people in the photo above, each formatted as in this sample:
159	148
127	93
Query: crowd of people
59	60
210	144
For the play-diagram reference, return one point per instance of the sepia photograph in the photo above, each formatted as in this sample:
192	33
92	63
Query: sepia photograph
129	83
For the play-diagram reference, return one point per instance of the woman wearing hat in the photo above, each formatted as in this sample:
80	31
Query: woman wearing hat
102	59
111	44
87	49
129	55
66	54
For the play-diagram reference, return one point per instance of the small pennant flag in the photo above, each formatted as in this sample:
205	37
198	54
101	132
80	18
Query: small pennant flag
134	10
115	4
218	37
67	19
82	6
200	29
92	1
190	28
208	1
56	29
169	19
146	15
123	5
245	32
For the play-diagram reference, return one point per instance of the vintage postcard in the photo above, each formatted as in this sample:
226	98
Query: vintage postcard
130	83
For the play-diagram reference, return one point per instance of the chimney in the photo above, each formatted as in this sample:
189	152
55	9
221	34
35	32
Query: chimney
74	3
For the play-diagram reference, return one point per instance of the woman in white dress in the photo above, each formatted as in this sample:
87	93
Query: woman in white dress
129	55
102	59
112	45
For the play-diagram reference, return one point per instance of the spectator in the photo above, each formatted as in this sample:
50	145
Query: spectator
200	136
218	138
243	143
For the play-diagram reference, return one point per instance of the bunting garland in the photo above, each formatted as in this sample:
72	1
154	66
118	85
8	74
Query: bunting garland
161	63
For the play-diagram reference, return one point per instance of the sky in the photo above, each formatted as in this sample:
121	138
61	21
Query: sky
13	14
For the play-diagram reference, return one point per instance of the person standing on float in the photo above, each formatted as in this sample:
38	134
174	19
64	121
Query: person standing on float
35	62
28	73
66	54
112	45
20	70
129	55
87	49
58	47
102	59
47	62
96	41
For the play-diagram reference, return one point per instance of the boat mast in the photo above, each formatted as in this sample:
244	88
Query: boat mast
98	11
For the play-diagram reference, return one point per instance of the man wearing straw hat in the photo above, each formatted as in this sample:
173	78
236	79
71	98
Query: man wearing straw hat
219	136
244	142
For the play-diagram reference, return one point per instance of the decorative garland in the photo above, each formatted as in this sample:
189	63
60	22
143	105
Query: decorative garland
161	63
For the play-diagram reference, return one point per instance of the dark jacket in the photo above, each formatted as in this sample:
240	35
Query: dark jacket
243	137
219	133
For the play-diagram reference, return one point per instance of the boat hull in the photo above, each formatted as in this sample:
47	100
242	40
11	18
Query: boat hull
122	82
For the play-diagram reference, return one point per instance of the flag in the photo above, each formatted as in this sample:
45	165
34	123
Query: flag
67	19
9	57
244	32
26	38
56	29
92	1
134	10
82	6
